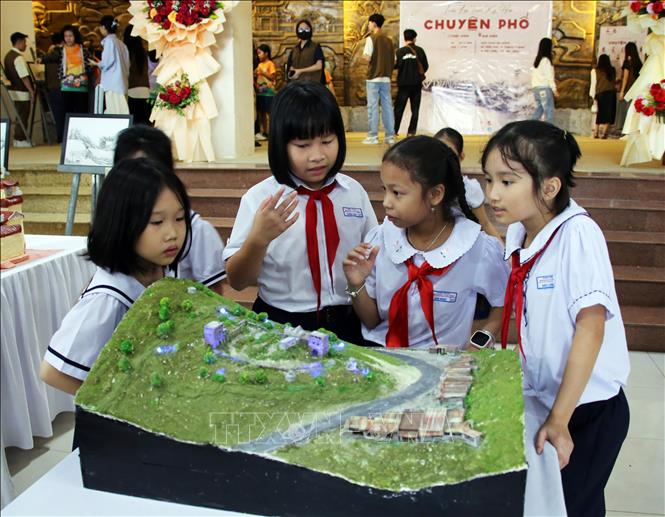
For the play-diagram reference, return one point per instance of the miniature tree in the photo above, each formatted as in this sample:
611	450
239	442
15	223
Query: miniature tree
155	380
209	358
187	305
124	365
126	347
163	313
204	373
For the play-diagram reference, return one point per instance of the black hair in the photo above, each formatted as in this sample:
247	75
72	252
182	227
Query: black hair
306	22
544	150
56	38
146	140
152	55
125	204
265	49
632	57
303	109
605	65
137	54
16	37
75	31
430	162
454	136
109	23
410	35
544	50
377	18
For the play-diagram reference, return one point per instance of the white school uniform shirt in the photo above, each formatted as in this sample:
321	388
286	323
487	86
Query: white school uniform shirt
89	325
285	280
203	262
478	268
572	274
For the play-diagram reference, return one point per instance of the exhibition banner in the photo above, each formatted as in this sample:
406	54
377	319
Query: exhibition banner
612	41
480	56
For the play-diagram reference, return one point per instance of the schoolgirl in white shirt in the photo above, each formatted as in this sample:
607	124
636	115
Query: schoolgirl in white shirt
414	282
203	258
571	337
140	229
294	229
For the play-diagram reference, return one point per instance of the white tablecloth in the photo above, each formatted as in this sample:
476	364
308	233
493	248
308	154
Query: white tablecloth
35	298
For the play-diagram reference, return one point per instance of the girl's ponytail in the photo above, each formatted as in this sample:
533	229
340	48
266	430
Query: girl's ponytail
461	199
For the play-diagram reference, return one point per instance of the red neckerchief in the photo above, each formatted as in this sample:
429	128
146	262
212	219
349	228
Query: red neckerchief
515	292
398	316
331	233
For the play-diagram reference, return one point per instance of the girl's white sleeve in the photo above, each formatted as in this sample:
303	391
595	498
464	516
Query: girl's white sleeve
375	238
108	57
492	274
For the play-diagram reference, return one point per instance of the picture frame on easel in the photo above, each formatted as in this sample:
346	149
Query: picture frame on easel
5	128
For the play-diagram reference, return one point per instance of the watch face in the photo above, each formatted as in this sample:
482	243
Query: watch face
480	339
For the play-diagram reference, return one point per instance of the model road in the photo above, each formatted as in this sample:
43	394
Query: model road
429	379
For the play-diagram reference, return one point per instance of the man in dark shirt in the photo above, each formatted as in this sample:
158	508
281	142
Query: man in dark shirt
411	64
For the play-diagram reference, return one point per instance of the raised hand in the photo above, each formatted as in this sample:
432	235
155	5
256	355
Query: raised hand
272	220
358	264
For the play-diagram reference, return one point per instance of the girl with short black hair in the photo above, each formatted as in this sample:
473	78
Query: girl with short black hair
139	234
293	230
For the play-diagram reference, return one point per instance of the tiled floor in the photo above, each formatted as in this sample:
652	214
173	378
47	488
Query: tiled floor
635	489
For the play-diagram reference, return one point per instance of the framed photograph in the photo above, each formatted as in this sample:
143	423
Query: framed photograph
5	126
89	140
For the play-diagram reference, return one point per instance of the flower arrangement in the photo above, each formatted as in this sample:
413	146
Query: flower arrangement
184	12
652	103
177	96
654	8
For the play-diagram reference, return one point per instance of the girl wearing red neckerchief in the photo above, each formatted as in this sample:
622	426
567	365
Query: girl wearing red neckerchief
570	333
294	229
415	280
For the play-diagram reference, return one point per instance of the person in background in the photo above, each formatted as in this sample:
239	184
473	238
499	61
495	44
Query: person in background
138	91
380	53
542	82
264	80
21	89
306	60
630	71
605	96
74	71
52	79
114	66
410	61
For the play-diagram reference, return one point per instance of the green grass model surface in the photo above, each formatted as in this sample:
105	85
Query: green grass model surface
158	373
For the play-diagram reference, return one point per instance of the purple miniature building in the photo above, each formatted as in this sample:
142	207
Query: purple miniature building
318	343
214	333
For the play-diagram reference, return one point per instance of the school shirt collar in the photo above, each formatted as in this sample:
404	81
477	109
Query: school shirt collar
516	233
125	288
463	237
341	180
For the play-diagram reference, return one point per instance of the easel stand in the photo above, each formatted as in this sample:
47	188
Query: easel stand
98	174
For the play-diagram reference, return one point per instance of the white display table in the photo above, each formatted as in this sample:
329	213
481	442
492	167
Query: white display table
35	298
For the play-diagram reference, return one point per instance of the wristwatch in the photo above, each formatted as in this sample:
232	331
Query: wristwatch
353	293
482	339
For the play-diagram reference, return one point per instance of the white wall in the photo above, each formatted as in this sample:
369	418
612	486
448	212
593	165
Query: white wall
233	129
15	16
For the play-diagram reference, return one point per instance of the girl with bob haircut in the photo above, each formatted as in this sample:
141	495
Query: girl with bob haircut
415	279
542	82
203	258
571	337
294	229
137	237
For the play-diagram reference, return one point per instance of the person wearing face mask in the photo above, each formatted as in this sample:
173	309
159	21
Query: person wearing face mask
305	62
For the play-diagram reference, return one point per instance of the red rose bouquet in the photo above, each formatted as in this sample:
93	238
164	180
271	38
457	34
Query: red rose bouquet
177	96
655	8
653	103
183	12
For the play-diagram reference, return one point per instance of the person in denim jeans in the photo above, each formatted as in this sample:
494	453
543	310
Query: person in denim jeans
542	82
380	52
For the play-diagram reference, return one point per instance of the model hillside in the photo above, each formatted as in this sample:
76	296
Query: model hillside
196	367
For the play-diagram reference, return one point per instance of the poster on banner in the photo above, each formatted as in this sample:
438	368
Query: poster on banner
612	41
480	56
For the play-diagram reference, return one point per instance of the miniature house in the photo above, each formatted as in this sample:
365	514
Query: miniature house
288	342
318	343
214	333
